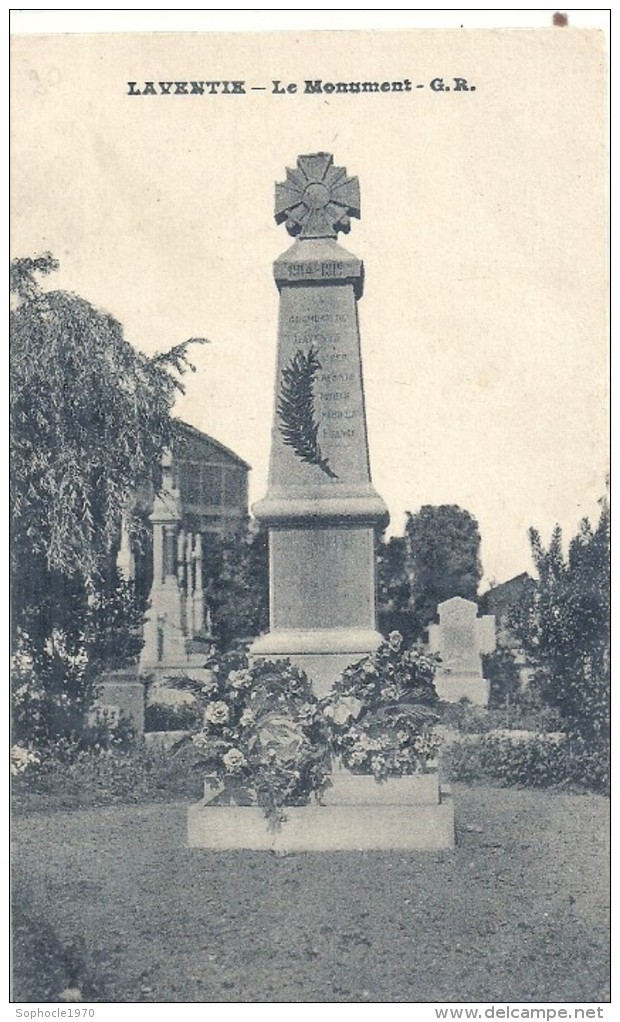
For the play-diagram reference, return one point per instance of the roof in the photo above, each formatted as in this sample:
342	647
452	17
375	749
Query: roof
184	427
506	593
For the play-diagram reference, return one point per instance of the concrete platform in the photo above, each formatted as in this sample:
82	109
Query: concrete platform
388	822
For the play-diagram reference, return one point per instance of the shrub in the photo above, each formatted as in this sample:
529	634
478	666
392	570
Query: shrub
64	779
51	701
442	559
382	711
533	761
161	717
236	583
471	719
53	689
564	627
588	764
51	719
501	669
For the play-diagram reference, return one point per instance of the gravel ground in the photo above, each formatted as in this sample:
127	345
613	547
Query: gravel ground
517	912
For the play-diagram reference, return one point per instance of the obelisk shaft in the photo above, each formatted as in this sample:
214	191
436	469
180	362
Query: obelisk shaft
321	508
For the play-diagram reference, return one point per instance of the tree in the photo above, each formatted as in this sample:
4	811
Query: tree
393	587
564	626
236	580
443	557
89	418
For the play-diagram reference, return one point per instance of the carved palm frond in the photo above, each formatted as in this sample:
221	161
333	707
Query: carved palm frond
296	413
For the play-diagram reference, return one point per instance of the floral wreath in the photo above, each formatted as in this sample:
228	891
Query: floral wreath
263	740
381	712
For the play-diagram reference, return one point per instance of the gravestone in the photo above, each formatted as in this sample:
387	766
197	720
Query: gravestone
321	508
460	639
120	694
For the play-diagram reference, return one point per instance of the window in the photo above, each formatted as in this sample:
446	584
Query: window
235	487
212	484
189	481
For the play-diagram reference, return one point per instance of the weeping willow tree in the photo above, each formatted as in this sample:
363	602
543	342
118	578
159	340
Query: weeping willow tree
89	419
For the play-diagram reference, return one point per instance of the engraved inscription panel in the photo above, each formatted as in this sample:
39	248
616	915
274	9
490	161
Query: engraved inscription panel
326	321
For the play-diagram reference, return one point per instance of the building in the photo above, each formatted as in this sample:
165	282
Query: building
503	601
203	493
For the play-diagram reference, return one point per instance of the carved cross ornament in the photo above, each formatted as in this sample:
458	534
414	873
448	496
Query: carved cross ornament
317	199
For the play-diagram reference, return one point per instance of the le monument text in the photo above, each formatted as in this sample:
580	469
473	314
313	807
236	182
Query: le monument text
310	87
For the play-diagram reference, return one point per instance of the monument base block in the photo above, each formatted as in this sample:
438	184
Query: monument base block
322	654
399	814
454	687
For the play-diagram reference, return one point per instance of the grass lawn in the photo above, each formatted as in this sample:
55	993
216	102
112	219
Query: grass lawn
123	910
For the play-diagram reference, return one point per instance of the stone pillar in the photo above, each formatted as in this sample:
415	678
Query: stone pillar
164	637
198	594
188	568
125	561
181	565
321	508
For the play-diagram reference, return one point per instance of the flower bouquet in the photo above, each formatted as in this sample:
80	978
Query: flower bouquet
263	739
381	712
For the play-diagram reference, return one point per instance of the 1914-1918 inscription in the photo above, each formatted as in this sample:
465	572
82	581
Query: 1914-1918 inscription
316	270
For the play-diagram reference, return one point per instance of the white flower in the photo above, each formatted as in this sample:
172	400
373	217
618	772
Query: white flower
366	744
305	712
247	718
216	713
395	641
369	668
22	758
233	760
238	679
346	708
202	742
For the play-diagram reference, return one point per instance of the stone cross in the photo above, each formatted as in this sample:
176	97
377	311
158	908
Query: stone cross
460	639
317	199
321	508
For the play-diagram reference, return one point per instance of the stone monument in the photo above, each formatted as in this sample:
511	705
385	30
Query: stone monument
174	642
322	513
460	638
321	508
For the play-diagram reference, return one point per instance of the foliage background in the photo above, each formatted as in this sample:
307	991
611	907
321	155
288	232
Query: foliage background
89	420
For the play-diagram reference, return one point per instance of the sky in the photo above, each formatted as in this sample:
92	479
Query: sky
483	234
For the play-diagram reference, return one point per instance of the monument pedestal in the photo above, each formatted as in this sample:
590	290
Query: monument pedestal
357	814
321	655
